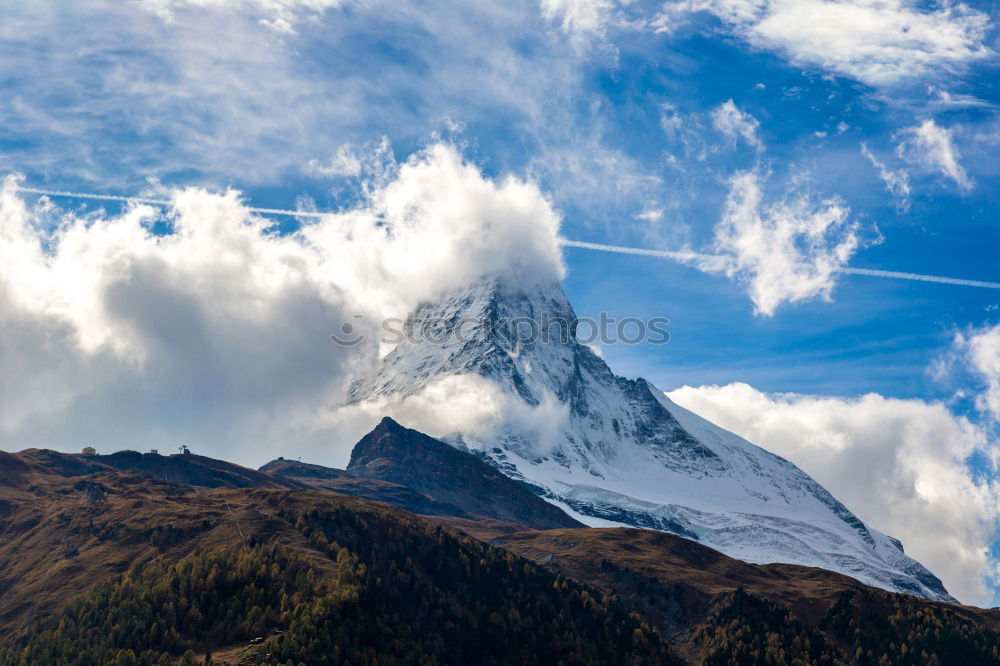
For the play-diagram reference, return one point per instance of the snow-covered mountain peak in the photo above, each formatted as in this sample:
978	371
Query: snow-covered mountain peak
619	451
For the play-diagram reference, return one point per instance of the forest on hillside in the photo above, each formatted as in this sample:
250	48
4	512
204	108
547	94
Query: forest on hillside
372	585
371	590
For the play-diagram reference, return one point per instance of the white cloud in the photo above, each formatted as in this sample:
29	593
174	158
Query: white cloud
206	93
878	42
949	100
897	182
589	175
980	351
932	146
217	333
786	252
118	337
732	122
344	163
650	215
578	18
438	225
454	126
474	406
278	15
698	132
898	464
685	129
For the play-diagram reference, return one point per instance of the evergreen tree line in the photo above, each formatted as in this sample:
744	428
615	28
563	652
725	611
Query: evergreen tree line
373	588
859	629
370	586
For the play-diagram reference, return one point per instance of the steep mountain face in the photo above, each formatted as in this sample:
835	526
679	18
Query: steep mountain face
408	469
615	451
339	481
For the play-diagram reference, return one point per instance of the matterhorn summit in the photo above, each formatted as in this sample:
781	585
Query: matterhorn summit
547	411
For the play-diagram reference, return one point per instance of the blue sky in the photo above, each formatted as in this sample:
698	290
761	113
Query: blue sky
634	120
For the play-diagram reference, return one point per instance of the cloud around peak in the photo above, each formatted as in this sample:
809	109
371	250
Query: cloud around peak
205	325
900	465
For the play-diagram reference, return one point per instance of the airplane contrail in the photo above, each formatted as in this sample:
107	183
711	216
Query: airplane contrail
689	256
154	202
919	277
664	254
682	255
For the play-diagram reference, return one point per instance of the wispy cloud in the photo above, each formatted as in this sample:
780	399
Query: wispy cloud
947	100
897	182
878	42
733	122
931	146
202	91
579	18
278	16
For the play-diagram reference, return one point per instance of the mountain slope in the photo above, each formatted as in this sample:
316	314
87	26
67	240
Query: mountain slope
614	450
117	567
179	468
151	569
408	469
674	583
339	481
410	458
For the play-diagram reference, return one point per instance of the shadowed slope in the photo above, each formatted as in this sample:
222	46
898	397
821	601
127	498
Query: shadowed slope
419	473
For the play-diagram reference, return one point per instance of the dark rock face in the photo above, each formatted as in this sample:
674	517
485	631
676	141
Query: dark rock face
418	473
410	458
341	481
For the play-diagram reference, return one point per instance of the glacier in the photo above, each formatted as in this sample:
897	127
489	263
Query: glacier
617	451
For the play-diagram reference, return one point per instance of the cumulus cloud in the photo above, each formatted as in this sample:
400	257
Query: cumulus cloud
932	147
979	350
437	225
734	123
878	42
898	464
897	181
786	252
119	337
216	332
